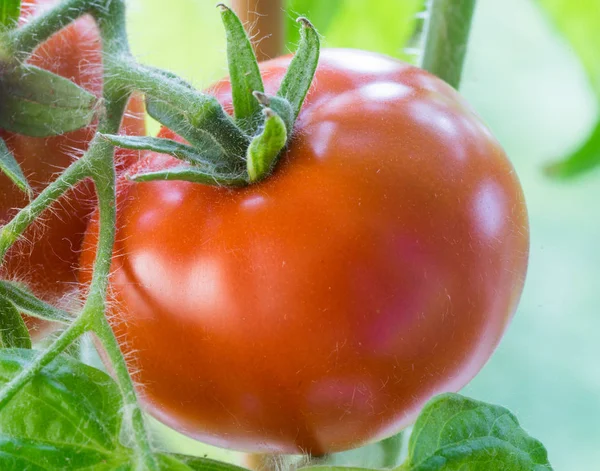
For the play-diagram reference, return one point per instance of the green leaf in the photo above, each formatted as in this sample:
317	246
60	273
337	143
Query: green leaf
584	159
321	15
38	103
391	449
301	70
280	106
11	168
170	463
13	331
28	304
190	174
178	120
195	116
10	10
67	417
208	159
378	455
183	122
579	23
243	72
457	433
385	26
265	148
206	167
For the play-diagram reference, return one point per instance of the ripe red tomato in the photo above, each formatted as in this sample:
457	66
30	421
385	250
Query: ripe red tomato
47	257
321	308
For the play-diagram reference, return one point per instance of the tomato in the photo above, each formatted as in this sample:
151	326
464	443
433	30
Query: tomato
320	309
47	257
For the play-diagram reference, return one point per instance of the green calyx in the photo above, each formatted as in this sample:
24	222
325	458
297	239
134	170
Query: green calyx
39	103
225	150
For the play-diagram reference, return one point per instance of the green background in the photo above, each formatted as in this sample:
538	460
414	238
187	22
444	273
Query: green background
528	85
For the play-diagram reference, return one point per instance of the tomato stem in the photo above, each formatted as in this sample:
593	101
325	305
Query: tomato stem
111	22
133	412
11	232
40	27
446	38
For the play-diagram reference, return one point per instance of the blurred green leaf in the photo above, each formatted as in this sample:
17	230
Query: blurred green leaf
384	26
319	13
206	464
383	454
585	158
13	331
391	449
9	12
579	22
28	304
335	468
10	167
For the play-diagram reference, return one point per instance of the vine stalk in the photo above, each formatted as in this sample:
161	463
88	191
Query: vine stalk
446	38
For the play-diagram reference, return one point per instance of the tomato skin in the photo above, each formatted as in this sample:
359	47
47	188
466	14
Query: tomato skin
320	309
48	256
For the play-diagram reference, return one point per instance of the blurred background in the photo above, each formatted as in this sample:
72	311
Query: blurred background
533	74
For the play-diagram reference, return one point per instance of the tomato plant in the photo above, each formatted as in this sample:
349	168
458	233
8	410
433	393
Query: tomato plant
285	271
48	265
321	308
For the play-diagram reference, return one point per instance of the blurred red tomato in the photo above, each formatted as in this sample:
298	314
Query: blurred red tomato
47	256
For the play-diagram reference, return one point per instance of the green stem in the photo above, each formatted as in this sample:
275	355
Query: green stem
109	14
104	178
105	181
110	17
203	110
447	35
133	412
113	33
26	38
99	164
11	232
